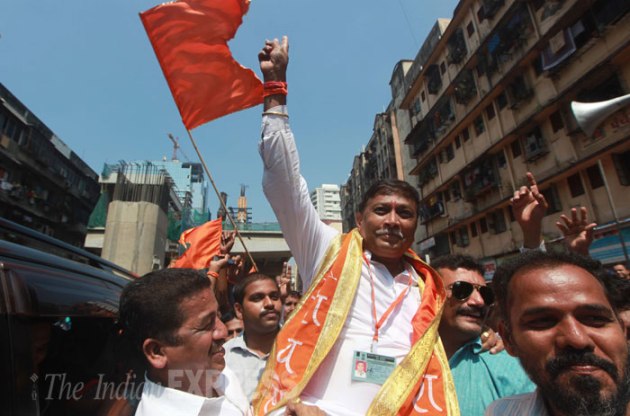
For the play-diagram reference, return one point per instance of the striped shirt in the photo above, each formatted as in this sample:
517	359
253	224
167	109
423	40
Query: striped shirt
531	404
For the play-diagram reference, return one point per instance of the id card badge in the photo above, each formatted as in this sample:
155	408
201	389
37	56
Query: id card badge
372	368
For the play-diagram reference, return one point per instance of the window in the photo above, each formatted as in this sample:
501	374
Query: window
423	96
556	121
479	126
502	101
497	222
434	79
71	332
450	153
535	145
520	91
575	185
442	67
466	134
537	64
516	148
462	237
470	28
490	111
13	129
458	142
595	177
606	12
622	166
473	229
453	236
551	195
480	14
456	191
3	119
510	214
501	162
446	195
537	4
483	225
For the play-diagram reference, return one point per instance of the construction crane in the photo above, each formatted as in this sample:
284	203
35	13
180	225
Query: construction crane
176	146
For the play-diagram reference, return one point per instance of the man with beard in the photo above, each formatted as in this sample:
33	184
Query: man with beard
560	318
257	302
170	323
480	376
368	298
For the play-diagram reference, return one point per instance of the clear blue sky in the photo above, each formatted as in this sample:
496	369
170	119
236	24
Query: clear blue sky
87	70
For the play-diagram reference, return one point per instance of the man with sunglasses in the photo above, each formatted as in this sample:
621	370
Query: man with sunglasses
480	377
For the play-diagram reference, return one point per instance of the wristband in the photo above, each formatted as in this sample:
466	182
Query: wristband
212	273
275	113
274	88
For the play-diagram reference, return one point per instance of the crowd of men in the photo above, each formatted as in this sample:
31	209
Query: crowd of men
378	331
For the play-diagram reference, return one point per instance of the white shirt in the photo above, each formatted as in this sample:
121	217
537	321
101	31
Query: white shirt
246	364
158	400
331	387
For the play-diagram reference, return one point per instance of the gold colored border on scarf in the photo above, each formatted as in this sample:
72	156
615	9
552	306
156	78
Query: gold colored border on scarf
400	384
333	324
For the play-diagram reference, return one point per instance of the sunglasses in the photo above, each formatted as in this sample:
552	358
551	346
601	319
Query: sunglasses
462	290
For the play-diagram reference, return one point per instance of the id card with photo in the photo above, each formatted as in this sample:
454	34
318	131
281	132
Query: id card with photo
371	368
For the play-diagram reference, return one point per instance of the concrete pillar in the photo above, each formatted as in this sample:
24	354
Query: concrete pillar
135	234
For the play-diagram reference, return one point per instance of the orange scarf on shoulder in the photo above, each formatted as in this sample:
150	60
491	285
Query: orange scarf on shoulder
420	384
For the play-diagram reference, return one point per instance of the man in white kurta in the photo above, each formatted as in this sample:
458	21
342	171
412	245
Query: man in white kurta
387	228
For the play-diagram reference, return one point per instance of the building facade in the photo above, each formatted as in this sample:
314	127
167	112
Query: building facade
44	185
137	220
326	200
490	101
191	188
381	159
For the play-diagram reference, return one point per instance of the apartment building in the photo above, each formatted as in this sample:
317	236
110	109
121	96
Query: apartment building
487	99
381	159
325	199
44	185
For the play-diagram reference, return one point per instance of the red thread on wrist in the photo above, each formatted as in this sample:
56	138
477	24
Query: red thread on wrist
212	273
274	88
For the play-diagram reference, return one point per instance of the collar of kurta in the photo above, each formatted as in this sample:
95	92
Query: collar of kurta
304	342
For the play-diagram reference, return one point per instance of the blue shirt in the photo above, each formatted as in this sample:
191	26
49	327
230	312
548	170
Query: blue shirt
481	378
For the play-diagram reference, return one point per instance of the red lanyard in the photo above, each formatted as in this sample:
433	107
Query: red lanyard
379	323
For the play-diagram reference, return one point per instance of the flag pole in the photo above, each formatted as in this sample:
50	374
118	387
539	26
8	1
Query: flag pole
216	190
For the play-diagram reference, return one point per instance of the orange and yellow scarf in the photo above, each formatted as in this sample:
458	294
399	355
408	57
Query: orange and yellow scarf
420	384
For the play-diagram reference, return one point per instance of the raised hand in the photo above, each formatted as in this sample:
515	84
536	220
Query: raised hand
529	207
227	241
284	280
578	233
274	59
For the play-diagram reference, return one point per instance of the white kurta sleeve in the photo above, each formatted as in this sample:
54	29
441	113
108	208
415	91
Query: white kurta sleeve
287	192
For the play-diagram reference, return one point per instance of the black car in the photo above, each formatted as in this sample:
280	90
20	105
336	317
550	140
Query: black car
58	309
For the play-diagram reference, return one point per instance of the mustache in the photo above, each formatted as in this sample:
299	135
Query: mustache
563	362
391	231
471	309
216	347
269	311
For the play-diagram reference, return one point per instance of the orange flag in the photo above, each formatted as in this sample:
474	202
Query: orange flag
189	38
203	244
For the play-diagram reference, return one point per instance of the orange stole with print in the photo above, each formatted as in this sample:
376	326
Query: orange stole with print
420	384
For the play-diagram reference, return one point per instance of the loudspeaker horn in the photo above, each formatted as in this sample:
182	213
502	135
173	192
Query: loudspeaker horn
590	115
